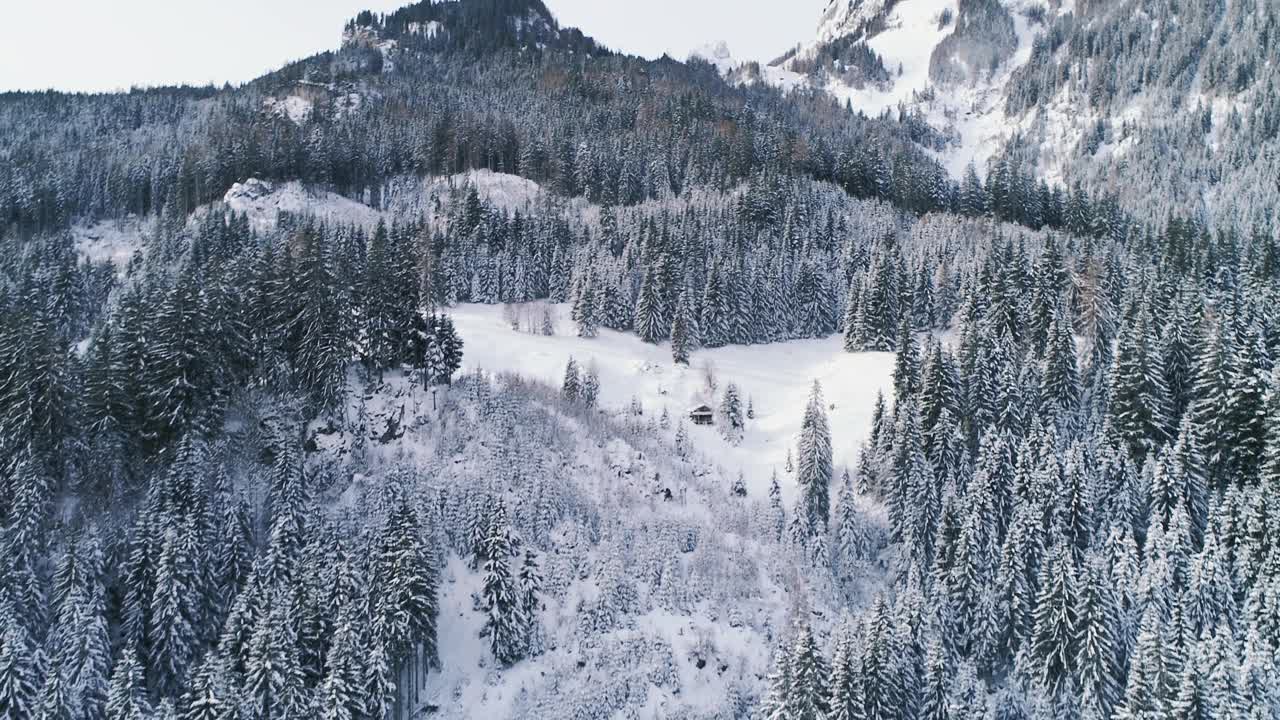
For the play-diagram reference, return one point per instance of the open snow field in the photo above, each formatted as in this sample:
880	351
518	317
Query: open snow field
776	378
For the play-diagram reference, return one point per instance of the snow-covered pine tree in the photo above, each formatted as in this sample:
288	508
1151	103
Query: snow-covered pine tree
777	514
408	584
19	672
589	393
847	702
530	582
906	368
588	309
814	473
571	388
506	626
681	332
732	424
713	321
127	697
809	695
650	318
1138	399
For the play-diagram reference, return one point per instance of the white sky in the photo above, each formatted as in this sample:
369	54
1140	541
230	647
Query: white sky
95	45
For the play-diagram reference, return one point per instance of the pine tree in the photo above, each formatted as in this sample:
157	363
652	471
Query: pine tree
776	704
732	424
428	353
450	348
55	702
1150	690
127	699
1270	476
1210	395
937	684
681	332
571	389
173	615
809	694
1138	407
339	694
589	393
1245	412
588	309
505	622
207	697
530	583
1057	624
906	369
776	512
1060	391
1191	702
1099	658
18	669
650	319
713	321
852	543
853	322
408	585
273	678
846	683
815	472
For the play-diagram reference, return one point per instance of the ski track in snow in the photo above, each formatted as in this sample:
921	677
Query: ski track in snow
776	377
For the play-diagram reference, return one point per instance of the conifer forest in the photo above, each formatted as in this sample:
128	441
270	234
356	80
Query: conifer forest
476	369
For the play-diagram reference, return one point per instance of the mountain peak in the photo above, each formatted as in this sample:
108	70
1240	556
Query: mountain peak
474	25
718	54
860	18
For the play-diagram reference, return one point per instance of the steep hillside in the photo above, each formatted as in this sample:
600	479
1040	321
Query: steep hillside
1147	103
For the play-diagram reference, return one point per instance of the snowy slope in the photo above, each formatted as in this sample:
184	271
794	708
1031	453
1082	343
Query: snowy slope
693	654
119	241
970	116
263	202
113	241
777	378
294	107
905	46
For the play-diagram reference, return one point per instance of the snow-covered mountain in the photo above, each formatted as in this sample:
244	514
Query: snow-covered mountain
1062	90
473	370
945	62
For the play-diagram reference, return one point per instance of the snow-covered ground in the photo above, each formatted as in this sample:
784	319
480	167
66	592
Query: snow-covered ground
501	190
263	202
738	588
905	45
114	241
296	108
118	241
777	378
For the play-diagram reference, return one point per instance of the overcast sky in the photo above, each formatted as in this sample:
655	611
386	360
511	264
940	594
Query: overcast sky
94	45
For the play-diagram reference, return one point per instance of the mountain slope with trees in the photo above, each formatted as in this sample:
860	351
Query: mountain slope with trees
251	473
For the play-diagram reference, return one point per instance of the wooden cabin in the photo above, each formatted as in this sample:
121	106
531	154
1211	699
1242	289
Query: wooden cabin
702	415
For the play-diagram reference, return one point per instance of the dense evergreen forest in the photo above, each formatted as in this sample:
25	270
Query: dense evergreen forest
1066	508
